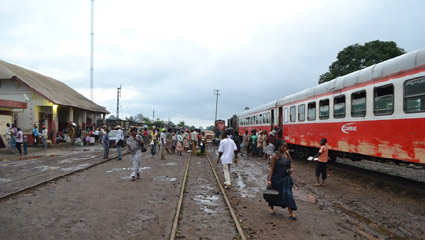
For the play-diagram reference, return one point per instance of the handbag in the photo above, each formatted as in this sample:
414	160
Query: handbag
144	148
271	195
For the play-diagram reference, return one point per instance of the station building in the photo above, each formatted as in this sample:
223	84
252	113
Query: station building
28	98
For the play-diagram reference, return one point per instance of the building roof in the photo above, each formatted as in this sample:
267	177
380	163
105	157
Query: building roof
51	89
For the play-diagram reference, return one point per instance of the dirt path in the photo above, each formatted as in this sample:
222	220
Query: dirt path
102	203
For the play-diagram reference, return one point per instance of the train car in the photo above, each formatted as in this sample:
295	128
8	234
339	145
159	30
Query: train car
261	118
377	113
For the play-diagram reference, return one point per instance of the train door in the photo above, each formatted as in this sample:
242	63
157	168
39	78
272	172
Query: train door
272	120
280	117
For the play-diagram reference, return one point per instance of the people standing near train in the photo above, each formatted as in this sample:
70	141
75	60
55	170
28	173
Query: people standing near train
19	140
168	145
245	142
134	147
145	134
44	137
194	139
260	144
279	178
322	161
265	136
105	142
227	151
179	145
153	141
254	139
119	141
270	145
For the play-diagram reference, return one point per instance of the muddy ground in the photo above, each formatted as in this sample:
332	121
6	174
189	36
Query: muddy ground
102	203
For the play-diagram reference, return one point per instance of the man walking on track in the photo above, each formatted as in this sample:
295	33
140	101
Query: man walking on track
134	147
226	151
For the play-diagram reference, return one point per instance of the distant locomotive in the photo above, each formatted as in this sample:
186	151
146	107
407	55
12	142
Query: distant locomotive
377	113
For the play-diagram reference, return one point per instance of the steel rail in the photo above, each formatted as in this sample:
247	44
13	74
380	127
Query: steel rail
180	202
43	182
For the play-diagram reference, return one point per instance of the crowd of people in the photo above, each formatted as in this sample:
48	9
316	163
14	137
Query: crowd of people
261	144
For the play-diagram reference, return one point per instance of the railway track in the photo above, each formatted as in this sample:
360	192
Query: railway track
214	216
28	182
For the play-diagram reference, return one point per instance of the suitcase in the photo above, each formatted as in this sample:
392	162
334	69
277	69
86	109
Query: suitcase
271	195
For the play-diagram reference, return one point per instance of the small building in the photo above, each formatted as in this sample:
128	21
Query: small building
28	98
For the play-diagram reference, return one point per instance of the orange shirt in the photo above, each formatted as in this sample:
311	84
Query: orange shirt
323	154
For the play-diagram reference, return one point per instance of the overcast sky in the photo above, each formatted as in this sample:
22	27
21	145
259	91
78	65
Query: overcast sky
170	56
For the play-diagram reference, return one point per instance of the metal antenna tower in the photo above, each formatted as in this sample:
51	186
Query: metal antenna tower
216	104
91	50
118	102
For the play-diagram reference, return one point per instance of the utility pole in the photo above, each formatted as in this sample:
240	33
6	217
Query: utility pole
91	50
118	102
153	116
216	104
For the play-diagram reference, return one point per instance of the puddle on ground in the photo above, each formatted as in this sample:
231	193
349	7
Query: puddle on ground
81	166
206	201
125	169
5	180
164	178
170	164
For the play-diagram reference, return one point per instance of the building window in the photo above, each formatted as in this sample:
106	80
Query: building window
339	106
414	95
324	109
293	114
358	104
301	112
384	100
311	111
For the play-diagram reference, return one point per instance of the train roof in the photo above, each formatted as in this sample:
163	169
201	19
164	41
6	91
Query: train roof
388	67
260	108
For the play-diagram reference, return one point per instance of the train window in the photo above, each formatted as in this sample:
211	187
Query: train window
324	109
414	95
358	104
301	113
339	106
384	100
285	116
311	111
293	114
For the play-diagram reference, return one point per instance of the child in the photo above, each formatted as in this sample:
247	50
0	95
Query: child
322	156
202	147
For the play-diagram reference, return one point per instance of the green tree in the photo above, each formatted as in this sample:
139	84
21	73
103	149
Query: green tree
357	57
181	124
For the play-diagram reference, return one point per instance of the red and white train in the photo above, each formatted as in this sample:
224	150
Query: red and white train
377	113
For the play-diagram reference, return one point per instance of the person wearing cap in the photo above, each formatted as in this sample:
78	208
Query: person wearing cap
162	142
119	141
227	150
44	137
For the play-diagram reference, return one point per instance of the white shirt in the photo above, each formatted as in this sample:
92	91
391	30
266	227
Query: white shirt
163	138
228	148
194	136
119	136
